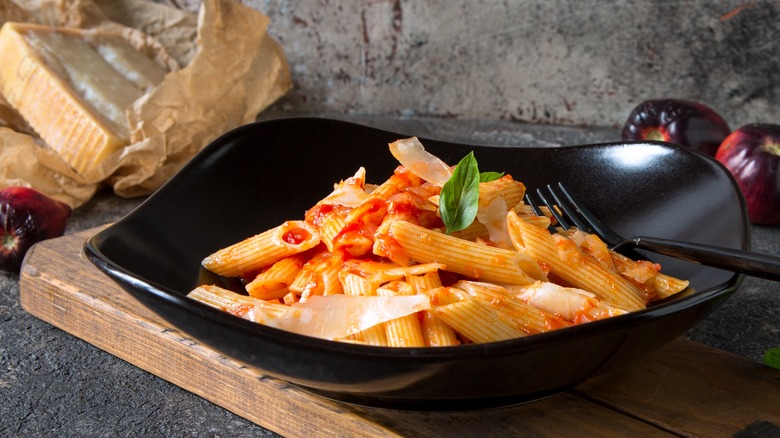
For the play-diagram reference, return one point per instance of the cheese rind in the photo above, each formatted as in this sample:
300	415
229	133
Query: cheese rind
72	97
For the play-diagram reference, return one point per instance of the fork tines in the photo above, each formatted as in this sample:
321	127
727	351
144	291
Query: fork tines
553	201
559	201
570	212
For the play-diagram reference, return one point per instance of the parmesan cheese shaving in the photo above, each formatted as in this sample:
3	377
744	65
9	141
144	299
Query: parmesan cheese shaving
338	316
412	155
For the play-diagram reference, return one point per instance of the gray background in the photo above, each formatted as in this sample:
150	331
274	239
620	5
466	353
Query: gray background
567	62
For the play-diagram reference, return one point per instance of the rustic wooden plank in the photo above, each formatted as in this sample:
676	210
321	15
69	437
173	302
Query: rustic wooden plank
61	287
693	389
564	415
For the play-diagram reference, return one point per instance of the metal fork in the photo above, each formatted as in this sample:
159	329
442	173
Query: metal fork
575	214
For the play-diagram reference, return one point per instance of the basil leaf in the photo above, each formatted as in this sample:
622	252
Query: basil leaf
772	358
459	198
490	176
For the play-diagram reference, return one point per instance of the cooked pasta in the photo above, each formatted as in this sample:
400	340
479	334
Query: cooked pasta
289	238
378	265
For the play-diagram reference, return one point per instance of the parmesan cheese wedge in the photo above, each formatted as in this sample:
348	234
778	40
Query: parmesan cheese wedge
73	87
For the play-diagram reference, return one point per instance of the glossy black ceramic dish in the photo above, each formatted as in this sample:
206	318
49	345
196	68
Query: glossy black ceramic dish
259	175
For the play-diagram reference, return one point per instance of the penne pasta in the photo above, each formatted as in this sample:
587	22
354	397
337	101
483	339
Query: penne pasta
401	180
319	276
519	314
436	333
274	282
571	304
331	223
476	322
375	335
357	235
657	286
471	259
253	253
354	284
477	230
405	331
505	187
423	281
372	264
666	286
570	264
250	308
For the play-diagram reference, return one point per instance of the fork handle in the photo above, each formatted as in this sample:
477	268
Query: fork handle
753	264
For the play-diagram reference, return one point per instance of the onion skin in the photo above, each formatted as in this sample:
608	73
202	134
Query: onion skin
27	216
752	154
683	122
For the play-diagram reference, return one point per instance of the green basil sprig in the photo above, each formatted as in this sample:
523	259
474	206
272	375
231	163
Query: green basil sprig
459	198
772	358
490	176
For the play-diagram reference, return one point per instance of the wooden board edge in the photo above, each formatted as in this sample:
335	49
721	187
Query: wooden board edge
185	363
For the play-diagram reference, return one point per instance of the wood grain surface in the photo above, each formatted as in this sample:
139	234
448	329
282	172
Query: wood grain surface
683	389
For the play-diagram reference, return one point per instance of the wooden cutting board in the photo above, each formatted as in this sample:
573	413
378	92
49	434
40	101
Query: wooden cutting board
682	389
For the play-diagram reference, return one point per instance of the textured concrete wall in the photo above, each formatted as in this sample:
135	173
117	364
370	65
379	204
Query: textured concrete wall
559	61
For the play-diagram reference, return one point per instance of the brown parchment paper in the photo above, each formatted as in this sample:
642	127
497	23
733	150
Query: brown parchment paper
225	69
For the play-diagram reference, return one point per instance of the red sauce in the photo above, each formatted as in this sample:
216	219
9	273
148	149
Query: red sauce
553	322
376	206
317	214
389	247
403	209
296	236
241	310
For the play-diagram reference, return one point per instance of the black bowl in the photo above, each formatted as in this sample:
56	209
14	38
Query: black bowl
261	174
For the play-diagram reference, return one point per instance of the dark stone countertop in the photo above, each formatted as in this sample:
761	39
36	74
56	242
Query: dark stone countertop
54	384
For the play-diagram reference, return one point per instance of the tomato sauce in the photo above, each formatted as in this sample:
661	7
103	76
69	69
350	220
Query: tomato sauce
318	214
296	237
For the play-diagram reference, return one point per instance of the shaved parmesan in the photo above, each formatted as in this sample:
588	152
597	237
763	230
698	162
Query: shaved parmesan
571	304
349	193
338	316
493	216
412	155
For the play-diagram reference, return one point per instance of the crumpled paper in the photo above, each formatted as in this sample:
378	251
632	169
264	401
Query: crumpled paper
225	69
